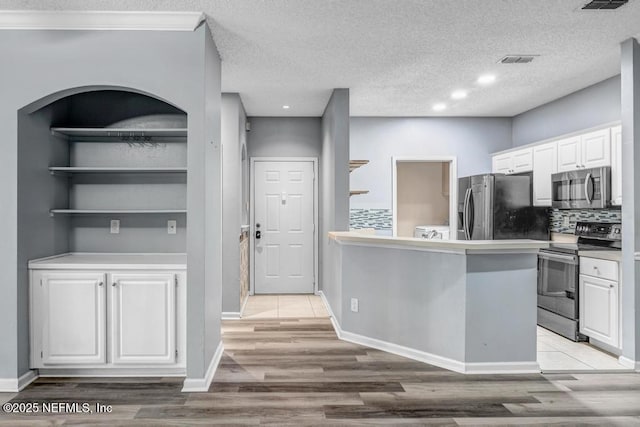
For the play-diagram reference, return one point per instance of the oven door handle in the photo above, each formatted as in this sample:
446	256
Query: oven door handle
569	259
588	183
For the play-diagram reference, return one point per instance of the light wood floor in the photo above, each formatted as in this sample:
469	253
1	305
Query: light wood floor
296	372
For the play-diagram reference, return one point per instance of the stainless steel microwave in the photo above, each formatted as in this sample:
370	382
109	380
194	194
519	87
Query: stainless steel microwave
582	189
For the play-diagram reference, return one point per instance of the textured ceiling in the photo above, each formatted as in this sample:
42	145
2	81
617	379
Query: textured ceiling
399	57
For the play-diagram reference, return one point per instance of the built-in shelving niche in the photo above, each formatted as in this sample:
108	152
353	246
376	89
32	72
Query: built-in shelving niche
116	155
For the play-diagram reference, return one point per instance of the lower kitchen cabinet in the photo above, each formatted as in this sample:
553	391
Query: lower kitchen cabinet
126	320
599	302
143	318
72	307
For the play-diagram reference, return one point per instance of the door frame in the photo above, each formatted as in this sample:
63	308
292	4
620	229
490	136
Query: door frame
254	160
453	188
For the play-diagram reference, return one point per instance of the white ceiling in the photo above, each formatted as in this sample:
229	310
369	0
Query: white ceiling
399	57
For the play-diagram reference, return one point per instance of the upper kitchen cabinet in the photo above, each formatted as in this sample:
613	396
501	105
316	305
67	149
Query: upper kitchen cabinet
589	150
545	164
616	165
513	162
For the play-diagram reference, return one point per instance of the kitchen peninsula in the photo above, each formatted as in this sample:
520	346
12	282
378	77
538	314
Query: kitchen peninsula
467	306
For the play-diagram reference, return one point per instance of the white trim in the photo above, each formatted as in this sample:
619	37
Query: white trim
230	315
111	372
244	304
99	20
14	385
432	359
453	189
628	363
194	385
316	247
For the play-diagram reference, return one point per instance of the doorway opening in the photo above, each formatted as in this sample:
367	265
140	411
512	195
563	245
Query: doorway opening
424	197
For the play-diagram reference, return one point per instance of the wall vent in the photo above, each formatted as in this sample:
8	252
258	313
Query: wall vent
604	4
517	59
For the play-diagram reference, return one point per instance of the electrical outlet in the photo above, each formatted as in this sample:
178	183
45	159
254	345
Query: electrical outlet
171	226
115	226
354	305
565	221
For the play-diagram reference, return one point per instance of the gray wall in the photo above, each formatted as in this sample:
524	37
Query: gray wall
38	234
233	120
334	179
284	137
378	139
630	289
38	64
595	105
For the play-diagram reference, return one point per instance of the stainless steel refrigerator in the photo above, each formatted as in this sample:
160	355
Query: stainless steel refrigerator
497	206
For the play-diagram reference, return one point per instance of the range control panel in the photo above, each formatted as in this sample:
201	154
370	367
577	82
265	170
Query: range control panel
599	230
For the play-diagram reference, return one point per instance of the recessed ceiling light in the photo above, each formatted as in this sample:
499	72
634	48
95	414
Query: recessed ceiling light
486	79
459	94
285	107
439	107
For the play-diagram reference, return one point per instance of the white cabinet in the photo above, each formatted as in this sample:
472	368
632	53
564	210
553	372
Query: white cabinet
72	306
599	295
544	165
589	150
128	319
513	162
616	165
143	318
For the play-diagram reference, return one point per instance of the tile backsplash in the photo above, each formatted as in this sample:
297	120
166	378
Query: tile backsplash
380	219
558	217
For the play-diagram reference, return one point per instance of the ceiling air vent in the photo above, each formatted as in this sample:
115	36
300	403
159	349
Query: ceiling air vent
517	59
604	4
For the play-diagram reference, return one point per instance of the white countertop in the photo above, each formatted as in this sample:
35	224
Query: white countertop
607	255
456	246
110	261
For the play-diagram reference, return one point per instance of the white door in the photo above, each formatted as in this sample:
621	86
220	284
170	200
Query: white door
73	318
502	163
283	227
522	160
544	165
596	149
143	307
599	309
569	154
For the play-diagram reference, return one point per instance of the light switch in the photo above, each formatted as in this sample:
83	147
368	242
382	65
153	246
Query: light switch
171	226
115	226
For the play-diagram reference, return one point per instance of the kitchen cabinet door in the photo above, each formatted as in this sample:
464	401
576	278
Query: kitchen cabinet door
616	165
502	163
569	154
143	307
596	148
599	309
522	160
544	165
72	318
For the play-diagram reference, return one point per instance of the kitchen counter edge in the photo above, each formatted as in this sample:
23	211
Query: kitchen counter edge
111	261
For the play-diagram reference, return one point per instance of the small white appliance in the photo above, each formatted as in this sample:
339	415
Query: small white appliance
440	232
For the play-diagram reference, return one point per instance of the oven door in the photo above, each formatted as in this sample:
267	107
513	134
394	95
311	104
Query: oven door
557	283
582	189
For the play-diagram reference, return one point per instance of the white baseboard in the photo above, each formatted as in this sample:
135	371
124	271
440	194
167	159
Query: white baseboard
243	305
628	363
230	315
432	359
194	385
14	385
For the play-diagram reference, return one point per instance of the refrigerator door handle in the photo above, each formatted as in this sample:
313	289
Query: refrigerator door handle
467	214
587	182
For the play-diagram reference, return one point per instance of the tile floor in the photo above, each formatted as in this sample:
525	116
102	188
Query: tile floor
284	306
556	353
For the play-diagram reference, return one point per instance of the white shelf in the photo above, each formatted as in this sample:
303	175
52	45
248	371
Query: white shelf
76	169
54	212
120	134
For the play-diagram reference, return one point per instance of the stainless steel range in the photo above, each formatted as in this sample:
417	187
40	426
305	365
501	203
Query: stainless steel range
558	270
